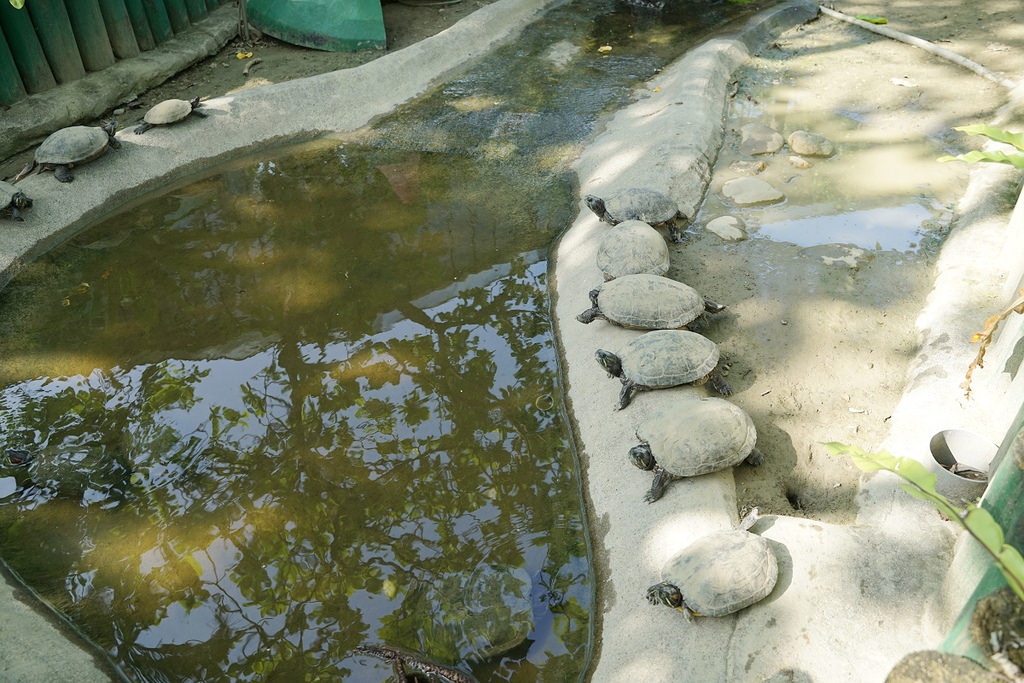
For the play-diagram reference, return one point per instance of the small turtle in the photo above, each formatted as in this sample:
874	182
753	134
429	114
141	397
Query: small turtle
664	358
649	302
168	112
636	203
632	247
11	200
69	147
697	437
718	574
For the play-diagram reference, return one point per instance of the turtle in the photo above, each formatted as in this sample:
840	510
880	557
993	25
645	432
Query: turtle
168	112
637	203
700	436
69	147
664	358
718	574
12	200
649	302
632	247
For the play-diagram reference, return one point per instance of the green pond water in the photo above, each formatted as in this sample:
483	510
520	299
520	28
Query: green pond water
310	400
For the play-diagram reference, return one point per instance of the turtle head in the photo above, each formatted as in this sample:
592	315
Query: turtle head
110	128
595	204
194	102
667	594
610	362
21	200
642	457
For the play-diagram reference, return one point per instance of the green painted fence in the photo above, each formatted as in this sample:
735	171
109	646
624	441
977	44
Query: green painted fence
48	42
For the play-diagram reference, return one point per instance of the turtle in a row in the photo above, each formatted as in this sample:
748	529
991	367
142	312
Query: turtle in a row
718	574
169	112
68	147
662	359
632	247
695	437
649	302
637	203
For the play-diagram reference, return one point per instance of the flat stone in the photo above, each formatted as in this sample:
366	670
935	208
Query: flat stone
810	144
838	255
750	191
728	228
757	138
8	485
926	666
799	162
747	166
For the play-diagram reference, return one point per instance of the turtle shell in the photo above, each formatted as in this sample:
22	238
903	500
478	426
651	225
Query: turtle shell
632	247
73	145
723	572
702	435
665	358
637	203
649	302
168	111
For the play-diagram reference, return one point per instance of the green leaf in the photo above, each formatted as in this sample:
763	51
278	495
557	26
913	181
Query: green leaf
980	523
18	4
872	20
1015	160
993	133
1012	565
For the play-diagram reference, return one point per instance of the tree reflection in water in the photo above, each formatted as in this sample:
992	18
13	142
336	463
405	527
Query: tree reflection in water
267	428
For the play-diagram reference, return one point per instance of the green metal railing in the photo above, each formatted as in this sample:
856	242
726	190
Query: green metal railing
49	42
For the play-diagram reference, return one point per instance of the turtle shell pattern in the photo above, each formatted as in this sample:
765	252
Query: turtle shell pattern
649	302
168	111
640	204
699	436
665	358
723	572
73	145
632	247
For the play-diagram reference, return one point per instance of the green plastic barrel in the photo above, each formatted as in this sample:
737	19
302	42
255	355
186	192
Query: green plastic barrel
178	14
333	25
196	10
159	22
11	87
28	53
140	24
119	28
57	39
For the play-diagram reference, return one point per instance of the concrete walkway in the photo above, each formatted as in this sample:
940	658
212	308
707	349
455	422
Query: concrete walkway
850	600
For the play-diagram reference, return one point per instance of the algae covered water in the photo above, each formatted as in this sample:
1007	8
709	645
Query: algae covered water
310	401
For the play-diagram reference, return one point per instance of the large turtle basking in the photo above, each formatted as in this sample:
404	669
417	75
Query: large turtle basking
70	147
694	437
12	200
649	302
168	112
662	359
718	574
632	247
640	204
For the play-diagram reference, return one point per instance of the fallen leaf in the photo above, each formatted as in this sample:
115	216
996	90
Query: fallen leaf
605	48
985	337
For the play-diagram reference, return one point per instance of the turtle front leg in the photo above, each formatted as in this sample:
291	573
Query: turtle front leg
755	458
142	128
588	316
62	172
662	478
629	387
15	214
718	382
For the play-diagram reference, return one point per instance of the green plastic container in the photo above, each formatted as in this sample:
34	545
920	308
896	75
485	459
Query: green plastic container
335	25
1004	499
57	39
11	87
28	53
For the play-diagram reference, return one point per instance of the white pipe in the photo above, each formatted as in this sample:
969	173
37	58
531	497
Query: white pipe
924	45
